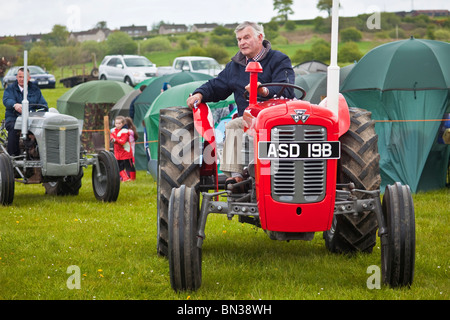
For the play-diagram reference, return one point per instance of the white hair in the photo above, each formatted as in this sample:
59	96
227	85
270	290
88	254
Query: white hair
257	28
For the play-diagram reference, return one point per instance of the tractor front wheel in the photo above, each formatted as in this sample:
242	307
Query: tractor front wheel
106	178
185	258
398	250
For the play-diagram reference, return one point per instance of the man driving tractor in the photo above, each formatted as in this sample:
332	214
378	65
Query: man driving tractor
277	68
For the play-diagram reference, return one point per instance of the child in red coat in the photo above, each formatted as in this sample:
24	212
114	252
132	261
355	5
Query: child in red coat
122	147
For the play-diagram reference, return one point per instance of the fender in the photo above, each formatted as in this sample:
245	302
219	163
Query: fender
204	125
344	114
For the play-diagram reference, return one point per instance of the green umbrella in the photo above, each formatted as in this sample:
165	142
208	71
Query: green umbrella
412	64
405	84
74	100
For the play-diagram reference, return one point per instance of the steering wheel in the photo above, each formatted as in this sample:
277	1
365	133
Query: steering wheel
40	107
283	86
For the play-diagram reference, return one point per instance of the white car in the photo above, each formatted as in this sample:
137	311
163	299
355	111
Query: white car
130	69
205	65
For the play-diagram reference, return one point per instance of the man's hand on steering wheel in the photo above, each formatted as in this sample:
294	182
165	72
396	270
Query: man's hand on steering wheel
262	88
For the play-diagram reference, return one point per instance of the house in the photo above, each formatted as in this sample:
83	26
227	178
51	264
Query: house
231	26
29	38
430	13
204	27
96	34
135	31
172	28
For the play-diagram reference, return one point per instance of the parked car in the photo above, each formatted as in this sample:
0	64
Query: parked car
130	69
205	65
38	75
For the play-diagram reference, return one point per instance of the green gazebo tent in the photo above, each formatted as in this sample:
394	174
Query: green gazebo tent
405	84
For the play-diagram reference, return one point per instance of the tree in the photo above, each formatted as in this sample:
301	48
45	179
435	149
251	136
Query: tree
283	7
58	37
326	5
101	25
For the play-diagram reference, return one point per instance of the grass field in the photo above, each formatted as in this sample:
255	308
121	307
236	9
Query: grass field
114	247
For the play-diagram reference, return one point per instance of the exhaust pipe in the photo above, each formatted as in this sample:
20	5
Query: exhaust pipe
333	68
25	105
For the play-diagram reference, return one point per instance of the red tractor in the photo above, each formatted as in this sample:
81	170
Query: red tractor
306	172
308	168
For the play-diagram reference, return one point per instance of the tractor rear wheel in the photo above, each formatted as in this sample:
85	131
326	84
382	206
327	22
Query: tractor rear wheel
69	185
398	252
359	164
185	258
178	164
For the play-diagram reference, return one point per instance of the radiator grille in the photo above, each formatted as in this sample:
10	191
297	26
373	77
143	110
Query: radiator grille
301	181
62	146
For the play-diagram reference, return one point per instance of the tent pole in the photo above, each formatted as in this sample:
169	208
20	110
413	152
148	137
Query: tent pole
106	131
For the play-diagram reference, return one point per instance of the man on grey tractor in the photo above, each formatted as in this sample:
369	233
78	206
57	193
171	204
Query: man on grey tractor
12	99
277	68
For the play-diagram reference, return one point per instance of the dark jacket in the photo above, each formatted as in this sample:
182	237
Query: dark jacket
277	67
13	95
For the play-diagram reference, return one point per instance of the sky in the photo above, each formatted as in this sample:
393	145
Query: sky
39	16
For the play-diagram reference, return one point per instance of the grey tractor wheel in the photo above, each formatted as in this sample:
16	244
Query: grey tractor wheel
7	183
359	164
106	178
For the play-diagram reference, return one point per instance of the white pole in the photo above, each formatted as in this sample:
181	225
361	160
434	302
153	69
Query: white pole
25	96
333	69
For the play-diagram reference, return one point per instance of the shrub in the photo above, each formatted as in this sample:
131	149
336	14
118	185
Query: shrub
218	53
350	34
442	35
321	50
302	55
197	51
290	25
349	52
156	44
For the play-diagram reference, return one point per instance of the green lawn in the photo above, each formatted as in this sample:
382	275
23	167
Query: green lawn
114	246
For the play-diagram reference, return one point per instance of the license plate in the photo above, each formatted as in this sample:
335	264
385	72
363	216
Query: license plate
42	82
299	150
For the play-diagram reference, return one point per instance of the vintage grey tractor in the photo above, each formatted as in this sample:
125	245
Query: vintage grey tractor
51	153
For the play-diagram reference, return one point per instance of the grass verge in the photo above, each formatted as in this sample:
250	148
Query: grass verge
114	246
